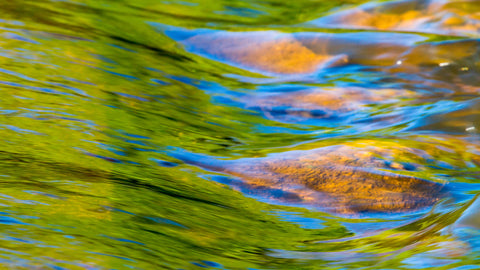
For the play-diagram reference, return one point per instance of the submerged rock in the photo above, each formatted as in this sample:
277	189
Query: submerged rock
263	51
322	103
301	53
435	16
347	179
276	53
279	53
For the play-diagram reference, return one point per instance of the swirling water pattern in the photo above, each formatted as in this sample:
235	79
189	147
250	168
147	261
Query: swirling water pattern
141	134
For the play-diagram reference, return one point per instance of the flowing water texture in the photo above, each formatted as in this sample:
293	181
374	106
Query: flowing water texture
228	134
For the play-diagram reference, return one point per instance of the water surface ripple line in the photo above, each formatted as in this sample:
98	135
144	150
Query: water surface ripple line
229	134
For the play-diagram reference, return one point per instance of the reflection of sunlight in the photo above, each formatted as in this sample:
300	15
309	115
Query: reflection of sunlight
471	129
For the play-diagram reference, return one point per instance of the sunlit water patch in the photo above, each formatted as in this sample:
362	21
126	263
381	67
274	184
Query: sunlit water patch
239	134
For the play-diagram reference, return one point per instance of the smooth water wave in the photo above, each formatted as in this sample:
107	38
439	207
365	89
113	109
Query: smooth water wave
239	134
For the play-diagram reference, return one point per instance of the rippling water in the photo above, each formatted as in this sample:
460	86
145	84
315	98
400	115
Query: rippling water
142	134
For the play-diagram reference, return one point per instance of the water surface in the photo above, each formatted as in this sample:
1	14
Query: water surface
143	134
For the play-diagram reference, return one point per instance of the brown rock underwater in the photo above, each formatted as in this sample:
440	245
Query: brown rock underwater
344	179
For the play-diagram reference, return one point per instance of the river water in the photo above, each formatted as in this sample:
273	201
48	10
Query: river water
199	134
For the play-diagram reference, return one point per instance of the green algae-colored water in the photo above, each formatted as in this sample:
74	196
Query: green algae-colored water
141	134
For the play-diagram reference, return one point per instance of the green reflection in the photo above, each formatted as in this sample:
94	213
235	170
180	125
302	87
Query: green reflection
93	96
